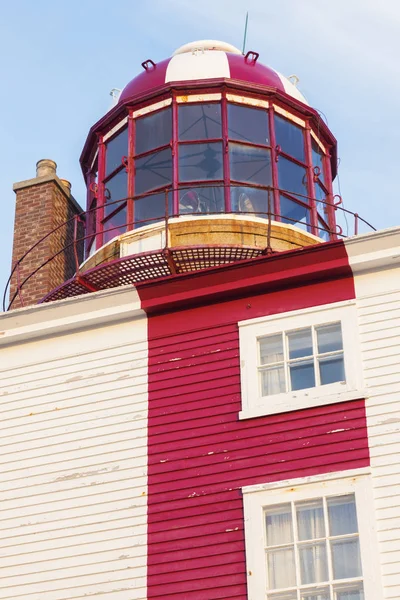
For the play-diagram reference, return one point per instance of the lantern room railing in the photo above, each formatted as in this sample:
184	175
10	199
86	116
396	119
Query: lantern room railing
75	235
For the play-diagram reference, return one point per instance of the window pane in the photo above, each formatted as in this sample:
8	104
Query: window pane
207	199
310	520
151	208
317	158
355	593
200	162
281	569
300	343
115	226
331	369
329	338
199	121
248	124
346	559
251	200
342	515
322	594
153	131
250	164
292	178
290	138
271	349
278	522
313	563
153	171
116	188
302	375
294	213
116	148
283	596
273	381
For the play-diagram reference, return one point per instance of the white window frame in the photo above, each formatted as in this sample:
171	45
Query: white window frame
254	404
258	497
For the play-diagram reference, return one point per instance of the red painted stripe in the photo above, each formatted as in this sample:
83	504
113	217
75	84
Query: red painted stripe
200	454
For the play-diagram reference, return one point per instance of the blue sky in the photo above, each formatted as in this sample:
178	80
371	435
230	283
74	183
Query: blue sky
61	59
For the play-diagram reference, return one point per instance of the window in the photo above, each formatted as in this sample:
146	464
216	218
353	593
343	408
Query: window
299	359
312	541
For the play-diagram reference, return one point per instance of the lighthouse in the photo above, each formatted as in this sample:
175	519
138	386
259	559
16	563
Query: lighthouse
199	387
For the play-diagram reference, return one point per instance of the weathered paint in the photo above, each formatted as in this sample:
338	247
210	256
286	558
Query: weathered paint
199	453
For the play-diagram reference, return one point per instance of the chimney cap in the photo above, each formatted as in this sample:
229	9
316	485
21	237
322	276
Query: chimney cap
46	166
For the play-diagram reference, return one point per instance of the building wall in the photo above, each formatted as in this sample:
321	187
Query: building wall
378	299
200	454
73	459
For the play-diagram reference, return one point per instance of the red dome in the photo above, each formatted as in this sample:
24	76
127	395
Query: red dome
207	60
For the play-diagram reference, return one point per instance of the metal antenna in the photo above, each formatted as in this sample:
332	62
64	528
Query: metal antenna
245	31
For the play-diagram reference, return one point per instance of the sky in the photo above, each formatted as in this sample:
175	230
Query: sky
59	61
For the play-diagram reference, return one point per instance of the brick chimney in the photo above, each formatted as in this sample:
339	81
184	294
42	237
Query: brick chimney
43	204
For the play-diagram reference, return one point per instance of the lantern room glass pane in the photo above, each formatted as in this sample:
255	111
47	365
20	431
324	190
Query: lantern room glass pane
115	225
293	179
202	199
247	124
250	164
251	200
151	208
153	131
318	158
290	138
200	162
294	213
199	121
116	149
116	189
153	171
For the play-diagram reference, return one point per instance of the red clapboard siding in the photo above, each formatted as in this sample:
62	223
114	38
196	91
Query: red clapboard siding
200	454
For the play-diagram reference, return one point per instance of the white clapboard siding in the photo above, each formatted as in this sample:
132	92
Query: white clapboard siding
73	463
378	299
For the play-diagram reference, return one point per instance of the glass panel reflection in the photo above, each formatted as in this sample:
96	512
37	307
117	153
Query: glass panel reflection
294	213
248	124
300	343
329	337
251	200
116	188
153	171
302	375
153	131
151	208
331	369
116	148
318	158
251	164
115	225
293	179
200	162
199	121
290	138
204	200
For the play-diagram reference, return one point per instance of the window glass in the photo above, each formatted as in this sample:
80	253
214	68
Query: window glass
329	338
300	343
247	124
290	138
318	158
115	225
116	149
250	164
326	564
251	200
151	208
153	131
200	162
116	188
153	171
292	179
271	349
199	121
204	199
294	213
